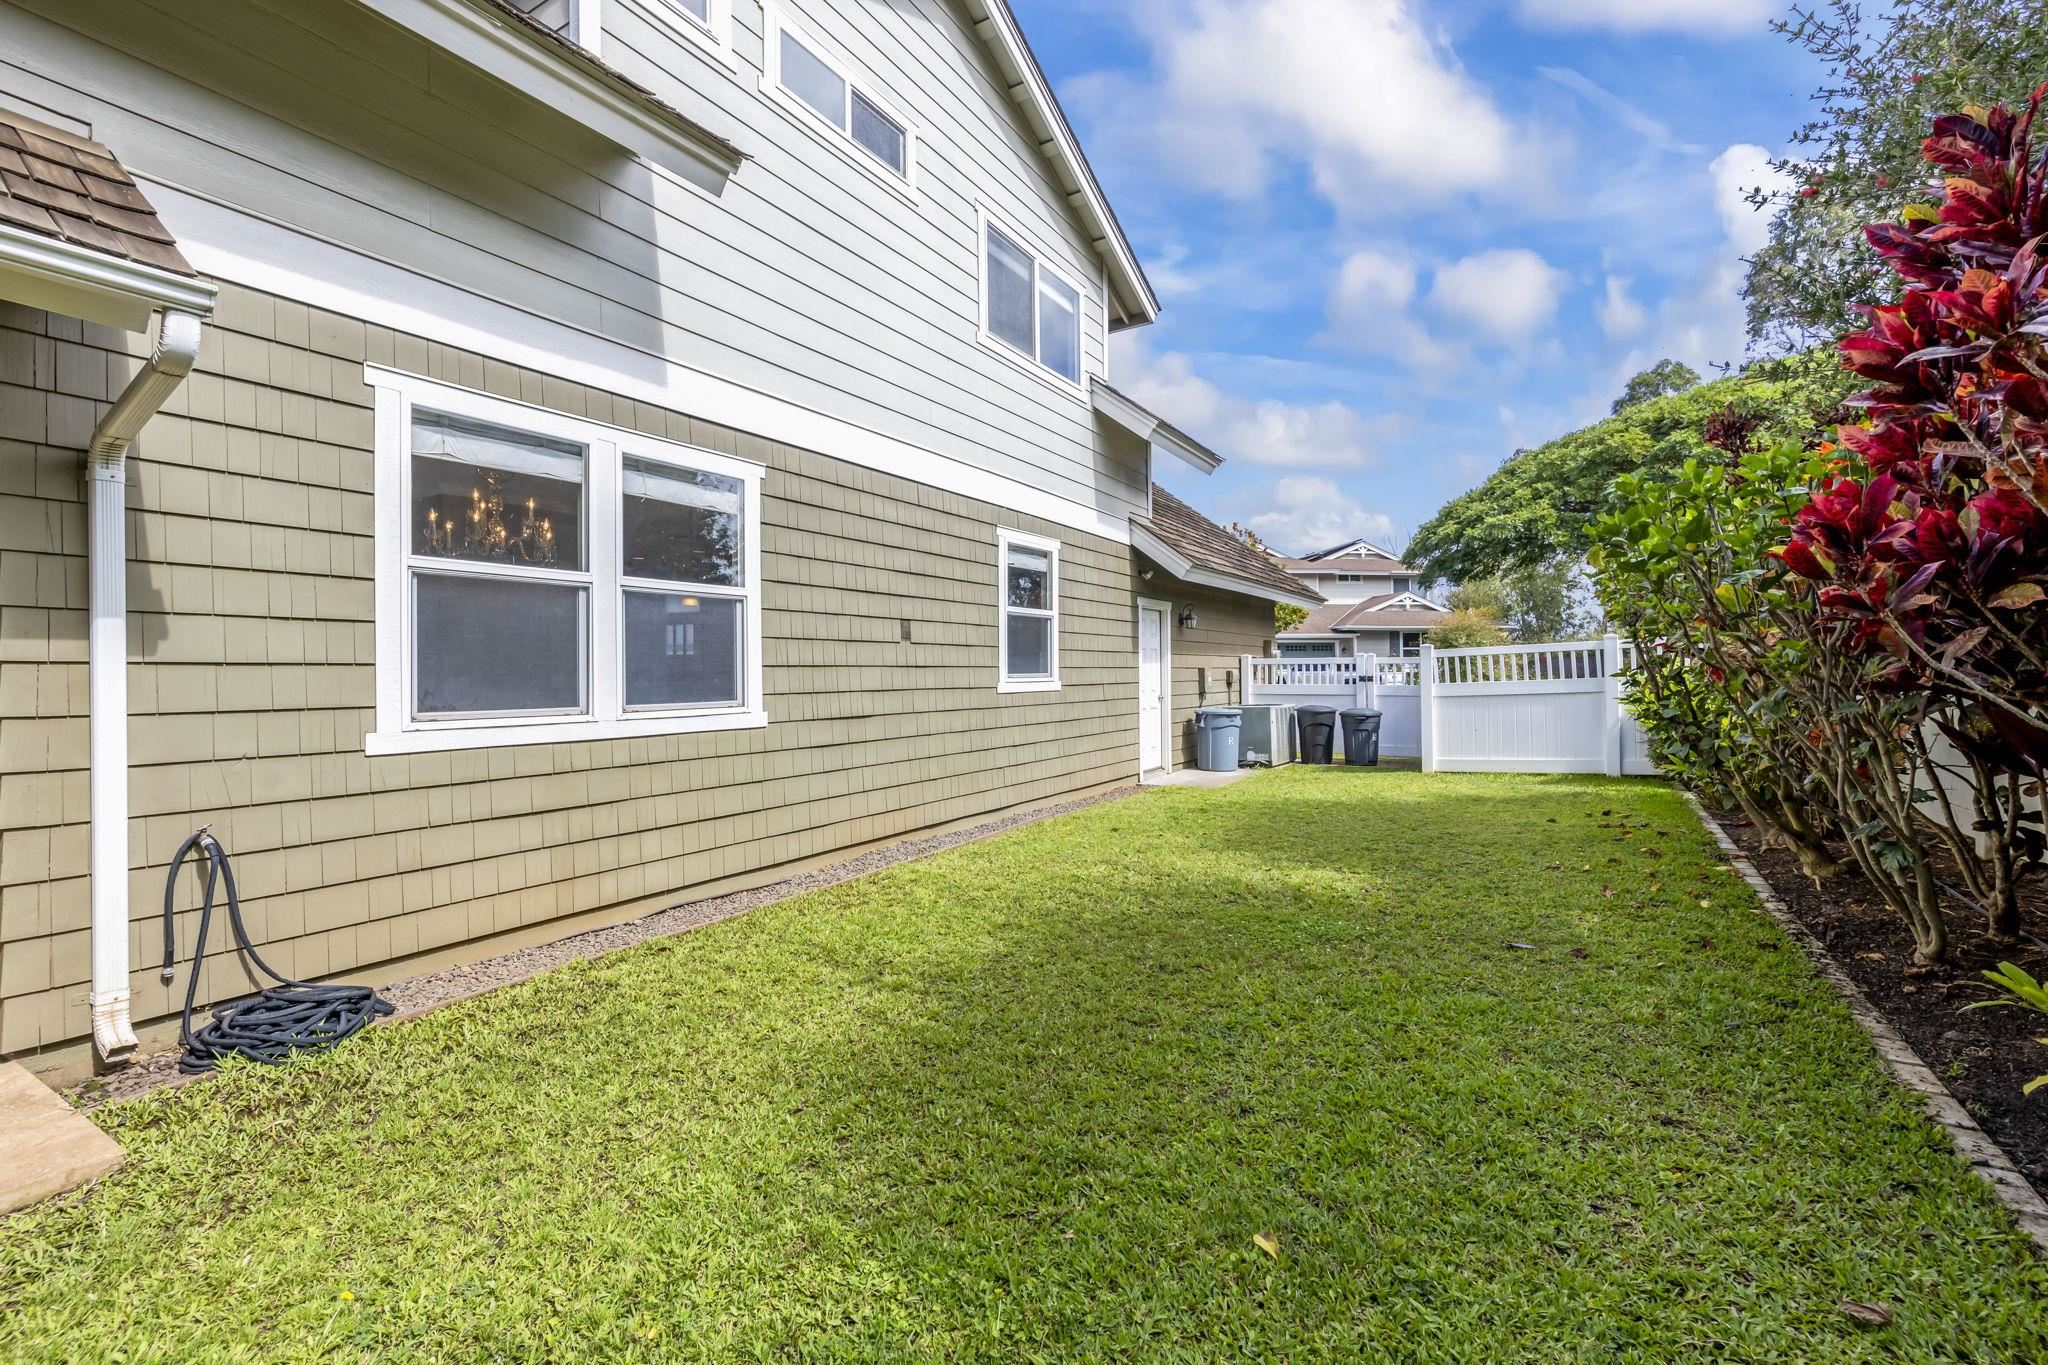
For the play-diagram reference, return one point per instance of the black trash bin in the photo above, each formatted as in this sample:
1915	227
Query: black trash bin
1216	733
1361	736
1315	730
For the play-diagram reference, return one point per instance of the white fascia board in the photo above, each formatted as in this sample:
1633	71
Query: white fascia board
1407	601
233	246
63	277
998	27
1154	430
496	44
1180	566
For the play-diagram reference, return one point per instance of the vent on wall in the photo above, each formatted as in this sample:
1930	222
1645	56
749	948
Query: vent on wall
906	630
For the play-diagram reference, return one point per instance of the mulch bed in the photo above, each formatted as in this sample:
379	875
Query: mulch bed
1985	1057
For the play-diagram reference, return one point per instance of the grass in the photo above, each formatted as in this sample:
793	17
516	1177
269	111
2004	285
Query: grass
1041	1097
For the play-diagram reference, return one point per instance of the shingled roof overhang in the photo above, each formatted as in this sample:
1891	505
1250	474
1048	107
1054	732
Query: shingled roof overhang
78	237
1134	303
1196	550
502	42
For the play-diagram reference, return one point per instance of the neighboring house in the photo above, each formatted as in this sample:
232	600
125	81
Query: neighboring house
1374	605
609	451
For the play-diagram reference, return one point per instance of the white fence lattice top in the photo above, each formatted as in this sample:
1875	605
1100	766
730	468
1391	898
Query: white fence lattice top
1522	663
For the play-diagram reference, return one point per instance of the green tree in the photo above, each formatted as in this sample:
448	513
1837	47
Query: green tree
1535	508
1858	160
1470	628
1533	605
1664	377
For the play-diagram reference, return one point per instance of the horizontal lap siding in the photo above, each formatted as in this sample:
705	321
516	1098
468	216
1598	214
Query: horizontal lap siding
804	279
251	641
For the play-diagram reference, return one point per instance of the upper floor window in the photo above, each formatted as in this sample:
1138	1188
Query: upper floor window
1028	646
543	579
800	73
1028	306
707	23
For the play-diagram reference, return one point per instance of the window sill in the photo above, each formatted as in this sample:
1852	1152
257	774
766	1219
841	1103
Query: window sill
1007	352
383	743
1030	685
660	15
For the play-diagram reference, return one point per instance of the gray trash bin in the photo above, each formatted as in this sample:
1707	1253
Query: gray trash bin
1361	736
1216	730
1316	726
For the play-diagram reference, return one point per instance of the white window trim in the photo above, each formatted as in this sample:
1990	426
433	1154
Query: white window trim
714	34
1006	538
398	731
774	23
1030	364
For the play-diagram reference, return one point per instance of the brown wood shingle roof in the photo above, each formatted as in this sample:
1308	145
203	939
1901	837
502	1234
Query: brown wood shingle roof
1210	546
55	184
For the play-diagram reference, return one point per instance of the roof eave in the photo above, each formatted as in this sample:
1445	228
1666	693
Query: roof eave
1151	428
1137	304
63	277
1149	543
562	75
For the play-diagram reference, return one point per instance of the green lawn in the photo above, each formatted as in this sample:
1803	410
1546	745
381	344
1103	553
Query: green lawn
1038	1099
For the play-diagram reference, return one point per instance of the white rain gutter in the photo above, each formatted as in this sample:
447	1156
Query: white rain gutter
177	348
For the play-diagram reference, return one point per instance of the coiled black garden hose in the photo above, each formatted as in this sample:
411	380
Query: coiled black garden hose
279	1022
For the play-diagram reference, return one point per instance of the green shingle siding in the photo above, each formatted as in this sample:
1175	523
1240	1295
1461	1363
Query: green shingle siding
252	675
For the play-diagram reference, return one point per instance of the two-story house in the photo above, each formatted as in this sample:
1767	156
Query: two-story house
1373	605
507	465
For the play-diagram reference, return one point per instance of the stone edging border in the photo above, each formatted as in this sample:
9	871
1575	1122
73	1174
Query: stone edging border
1975	1146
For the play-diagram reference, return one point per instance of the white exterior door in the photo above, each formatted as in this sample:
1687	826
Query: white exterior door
1151	688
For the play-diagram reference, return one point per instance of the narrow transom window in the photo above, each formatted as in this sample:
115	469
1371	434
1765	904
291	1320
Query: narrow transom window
802	73
543	578
1029	630
879	134
1029	307
706	23
807	76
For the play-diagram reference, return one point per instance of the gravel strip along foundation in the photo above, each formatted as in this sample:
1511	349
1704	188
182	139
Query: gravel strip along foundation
1985	1156
420	995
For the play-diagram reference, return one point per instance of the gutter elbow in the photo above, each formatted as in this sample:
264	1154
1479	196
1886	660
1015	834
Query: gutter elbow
178	336
113	1030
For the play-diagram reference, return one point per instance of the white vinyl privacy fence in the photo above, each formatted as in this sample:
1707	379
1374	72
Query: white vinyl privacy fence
1553	708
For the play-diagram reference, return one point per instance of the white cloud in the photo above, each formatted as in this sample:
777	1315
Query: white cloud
1505	294
1703	322
1742	168
1357	90
1256	430
1621	316
1369	311
1308	512
1642	16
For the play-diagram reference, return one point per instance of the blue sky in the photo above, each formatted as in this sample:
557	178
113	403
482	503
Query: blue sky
1396	239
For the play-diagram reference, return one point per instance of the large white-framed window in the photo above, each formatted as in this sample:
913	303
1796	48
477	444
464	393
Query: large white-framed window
1030	310
801	74
544	579
1028	636
707	23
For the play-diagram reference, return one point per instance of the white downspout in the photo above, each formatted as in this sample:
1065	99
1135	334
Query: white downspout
177	348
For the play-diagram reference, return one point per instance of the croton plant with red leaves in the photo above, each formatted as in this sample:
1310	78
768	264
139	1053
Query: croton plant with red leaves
1931	547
